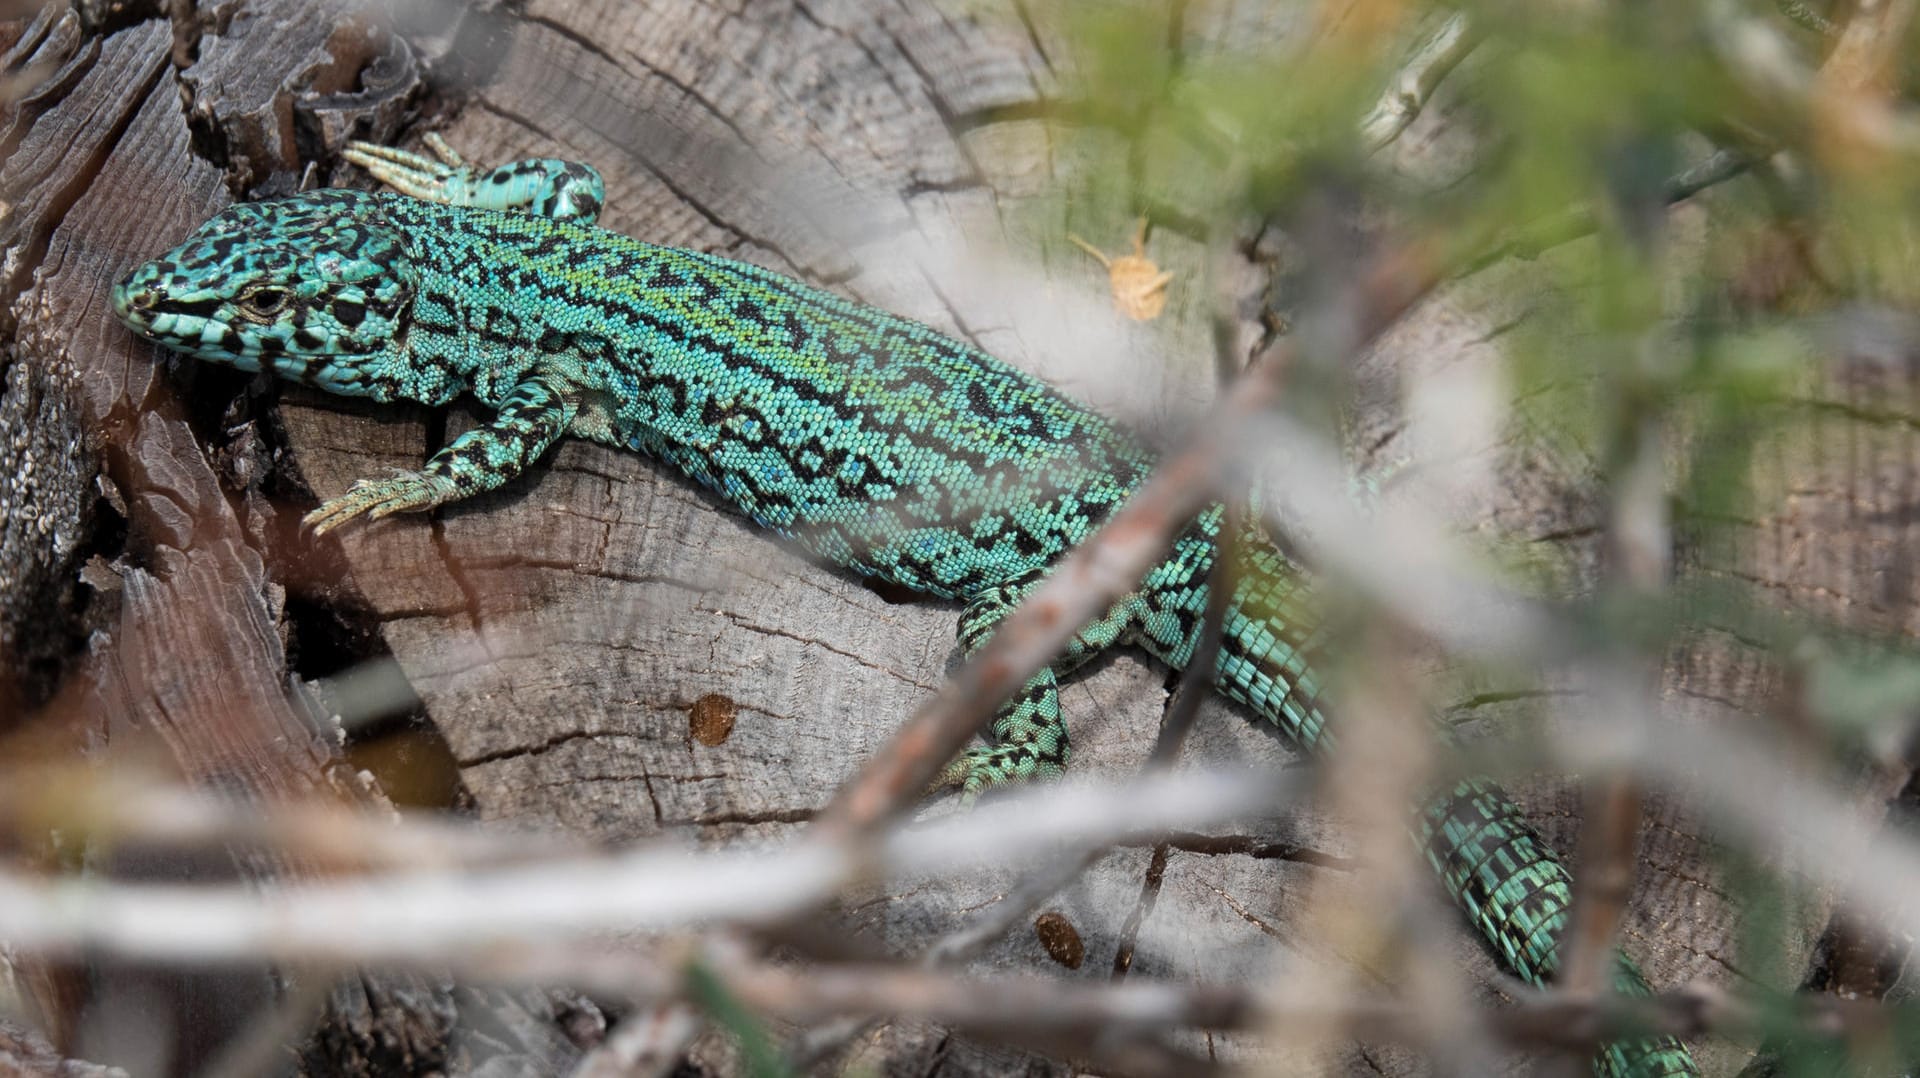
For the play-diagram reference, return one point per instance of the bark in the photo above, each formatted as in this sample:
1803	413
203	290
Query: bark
565	643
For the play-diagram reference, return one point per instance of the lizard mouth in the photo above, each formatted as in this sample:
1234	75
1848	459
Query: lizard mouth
177	322
133	304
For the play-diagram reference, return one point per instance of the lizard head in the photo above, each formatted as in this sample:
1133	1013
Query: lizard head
313	288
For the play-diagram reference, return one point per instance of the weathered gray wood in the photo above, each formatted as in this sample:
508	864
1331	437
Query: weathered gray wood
25	1054
607	597
563	633
186	653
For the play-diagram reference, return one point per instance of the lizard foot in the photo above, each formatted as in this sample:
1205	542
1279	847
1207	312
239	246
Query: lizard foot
448	179
991	767
545	187
381	497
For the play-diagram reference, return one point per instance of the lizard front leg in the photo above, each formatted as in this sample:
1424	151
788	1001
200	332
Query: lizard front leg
1029	733
534	414
542	186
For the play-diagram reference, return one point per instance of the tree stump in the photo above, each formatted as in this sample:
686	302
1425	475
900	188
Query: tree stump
603	648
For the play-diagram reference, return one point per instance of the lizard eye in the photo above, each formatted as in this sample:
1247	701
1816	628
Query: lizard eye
265	302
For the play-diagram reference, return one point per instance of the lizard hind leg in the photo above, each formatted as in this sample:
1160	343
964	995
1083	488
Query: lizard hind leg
542	186
1029	732
1030	742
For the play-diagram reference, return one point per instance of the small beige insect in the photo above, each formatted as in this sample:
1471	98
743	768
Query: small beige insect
1139	286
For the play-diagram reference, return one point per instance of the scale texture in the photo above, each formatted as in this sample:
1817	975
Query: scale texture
874	442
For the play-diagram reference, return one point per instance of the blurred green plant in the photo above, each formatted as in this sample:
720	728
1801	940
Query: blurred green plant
1698	227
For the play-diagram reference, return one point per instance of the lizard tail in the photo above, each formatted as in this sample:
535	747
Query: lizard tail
1518	893
1509	881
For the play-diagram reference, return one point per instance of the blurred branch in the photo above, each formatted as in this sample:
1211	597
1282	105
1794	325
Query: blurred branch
1760	797
1609	830
1803	15
1028	1005
1639	546
1407	564
1399	558
646	1044
1407	94
462	918
1766	62
1092	1011
1868	47
1831	100
116	811
1571	224
1386	748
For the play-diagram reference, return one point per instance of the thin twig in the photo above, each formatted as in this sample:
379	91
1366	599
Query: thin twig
646	1044
1197	681
1803	15
454	917
109	810
1827	101
1639	555
1407	94
1035	1005
1535	239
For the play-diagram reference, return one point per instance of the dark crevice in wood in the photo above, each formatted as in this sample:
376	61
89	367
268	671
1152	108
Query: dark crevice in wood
692	94
745	819
917	186
102	20
930	85
539	748
890	593
1142	909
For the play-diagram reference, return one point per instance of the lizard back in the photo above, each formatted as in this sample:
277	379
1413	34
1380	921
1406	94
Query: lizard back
876	442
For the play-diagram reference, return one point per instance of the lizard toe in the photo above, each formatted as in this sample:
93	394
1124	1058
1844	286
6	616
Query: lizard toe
378	498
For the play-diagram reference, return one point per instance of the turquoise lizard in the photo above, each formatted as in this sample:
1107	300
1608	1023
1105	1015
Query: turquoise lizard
873	442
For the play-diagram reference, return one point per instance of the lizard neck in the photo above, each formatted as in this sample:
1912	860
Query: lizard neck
469	331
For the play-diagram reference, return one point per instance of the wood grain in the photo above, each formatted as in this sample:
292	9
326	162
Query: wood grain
561	633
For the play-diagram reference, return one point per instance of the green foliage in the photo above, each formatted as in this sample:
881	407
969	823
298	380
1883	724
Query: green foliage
1677	232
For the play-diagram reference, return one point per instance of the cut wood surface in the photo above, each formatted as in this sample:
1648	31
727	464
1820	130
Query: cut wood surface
572	638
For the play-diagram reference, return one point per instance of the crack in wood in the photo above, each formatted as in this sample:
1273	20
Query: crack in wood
741	621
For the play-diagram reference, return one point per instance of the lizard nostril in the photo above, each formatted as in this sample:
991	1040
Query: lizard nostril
135	302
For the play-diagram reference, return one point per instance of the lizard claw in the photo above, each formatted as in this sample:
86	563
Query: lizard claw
545	187
379	498
447	180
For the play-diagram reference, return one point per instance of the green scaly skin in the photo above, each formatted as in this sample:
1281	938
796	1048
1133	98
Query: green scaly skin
873	442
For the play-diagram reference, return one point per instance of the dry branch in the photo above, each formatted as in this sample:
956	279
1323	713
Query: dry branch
1406	95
